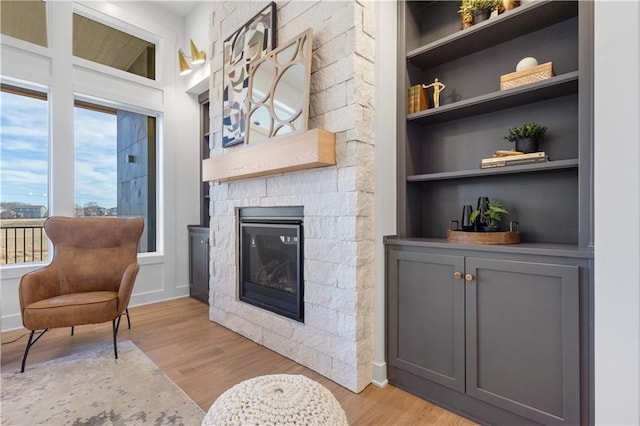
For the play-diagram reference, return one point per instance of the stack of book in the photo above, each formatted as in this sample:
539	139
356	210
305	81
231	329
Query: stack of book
417	99
512	160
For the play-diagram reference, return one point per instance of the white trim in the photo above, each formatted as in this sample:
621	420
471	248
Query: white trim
379	376
115	23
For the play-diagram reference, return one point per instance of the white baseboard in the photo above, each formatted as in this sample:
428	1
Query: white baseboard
11	322
380	374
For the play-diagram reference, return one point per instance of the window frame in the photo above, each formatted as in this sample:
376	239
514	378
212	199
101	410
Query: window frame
130	29
41	92
159	200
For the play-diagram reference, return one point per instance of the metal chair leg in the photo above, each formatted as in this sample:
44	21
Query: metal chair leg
116	325
72	330
30	343
128	319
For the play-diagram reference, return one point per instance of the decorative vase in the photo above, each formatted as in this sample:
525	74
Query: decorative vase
467	225
483	205
527	145
481	15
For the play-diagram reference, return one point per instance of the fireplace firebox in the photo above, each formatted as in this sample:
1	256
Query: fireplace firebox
271	259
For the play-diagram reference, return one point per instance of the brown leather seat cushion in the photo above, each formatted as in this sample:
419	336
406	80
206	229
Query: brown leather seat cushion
71	309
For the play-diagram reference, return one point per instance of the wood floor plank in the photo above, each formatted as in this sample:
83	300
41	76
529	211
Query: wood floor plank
205	359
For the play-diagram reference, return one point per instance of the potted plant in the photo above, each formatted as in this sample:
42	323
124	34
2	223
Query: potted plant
488	215
478	9
526	136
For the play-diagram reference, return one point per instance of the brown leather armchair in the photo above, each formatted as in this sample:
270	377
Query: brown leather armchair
89	280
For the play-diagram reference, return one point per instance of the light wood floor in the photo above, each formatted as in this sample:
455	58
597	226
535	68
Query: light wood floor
205	359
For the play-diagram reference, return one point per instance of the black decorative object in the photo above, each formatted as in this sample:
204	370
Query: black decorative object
481	208
467	224
527	145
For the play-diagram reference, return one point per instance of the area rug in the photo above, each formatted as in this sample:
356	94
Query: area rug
93	388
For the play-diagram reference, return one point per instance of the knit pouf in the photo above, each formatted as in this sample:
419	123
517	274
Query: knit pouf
278	399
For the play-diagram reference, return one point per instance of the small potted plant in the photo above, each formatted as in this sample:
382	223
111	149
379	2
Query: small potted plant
478	9
526	136
488	215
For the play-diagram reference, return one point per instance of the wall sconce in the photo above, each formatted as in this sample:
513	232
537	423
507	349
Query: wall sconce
197	57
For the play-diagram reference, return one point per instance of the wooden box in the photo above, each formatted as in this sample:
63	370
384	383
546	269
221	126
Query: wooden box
532	75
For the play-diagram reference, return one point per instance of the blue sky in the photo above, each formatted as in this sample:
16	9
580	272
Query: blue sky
24	153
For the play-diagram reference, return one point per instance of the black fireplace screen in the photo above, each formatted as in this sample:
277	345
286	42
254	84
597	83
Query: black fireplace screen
271	259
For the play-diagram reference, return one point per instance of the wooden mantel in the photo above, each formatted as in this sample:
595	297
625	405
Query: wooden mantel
299	151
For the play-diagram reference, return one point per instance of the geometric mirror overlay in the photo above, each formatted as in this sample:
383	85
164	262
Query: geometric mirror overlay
279	85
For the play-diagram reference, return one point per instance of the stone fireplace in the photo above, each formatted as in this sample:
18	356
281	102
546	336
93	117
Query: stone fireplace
336	337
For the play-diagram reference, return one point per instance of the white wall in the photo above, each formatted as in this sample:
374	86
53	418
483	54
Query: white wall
617	209
163	275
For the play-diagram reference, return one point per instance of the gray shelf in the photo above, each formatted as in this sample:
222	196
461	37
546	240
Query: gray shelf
554	87
548	249
505	170
522	20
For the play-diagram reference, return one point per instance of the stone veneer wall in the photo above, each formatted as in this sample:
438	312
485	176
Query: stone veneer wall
336	339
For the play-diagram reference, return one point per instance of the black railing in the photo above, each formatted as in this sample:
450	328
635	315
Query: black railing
22	244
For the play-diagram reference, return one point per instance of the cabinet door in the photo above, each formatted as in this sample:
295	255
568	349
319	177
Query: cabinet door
199	264
426	316
523	338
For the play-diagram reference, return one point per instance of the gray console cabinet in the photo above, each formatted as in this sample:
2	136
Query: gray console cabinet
199	263
503	332
426	311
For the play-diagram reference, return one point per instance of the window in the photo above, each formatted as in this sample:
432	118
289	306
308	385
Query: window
115	166
25	20
100	43
24	171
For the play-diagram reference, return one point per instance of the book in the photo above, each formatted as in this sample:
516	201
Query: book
540	154
509	162
416	99
420	99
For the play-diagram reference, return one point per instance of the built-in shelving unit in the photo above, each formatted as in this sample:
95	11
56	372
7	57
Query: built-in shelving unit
465	322
440	149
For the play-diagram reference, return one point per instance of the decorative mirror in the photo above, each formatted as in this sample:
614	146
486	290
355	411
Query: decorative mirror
279	88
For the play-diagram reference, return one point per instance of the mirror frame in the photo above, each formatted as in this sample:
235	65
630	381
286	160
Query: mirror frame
303	44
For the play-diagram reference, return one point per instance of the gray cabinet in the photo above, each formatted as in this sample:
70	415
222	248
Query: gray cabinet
522	334
199	263
495	337
426	313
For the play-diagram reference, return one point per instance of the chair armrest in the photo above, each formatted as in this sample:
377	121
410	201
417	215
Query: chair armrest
38	285
126	286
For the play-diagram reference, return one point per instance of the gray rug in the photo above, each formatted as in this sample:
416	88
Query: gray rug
93	388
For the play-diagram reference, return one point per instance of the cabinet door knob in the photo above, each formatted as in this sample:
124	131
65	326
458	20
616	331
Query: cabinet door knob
468	277
457	275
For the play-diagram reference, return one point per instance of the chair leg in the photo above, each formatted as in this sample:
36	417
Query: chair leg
72	330
128	319
116	325
30	343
